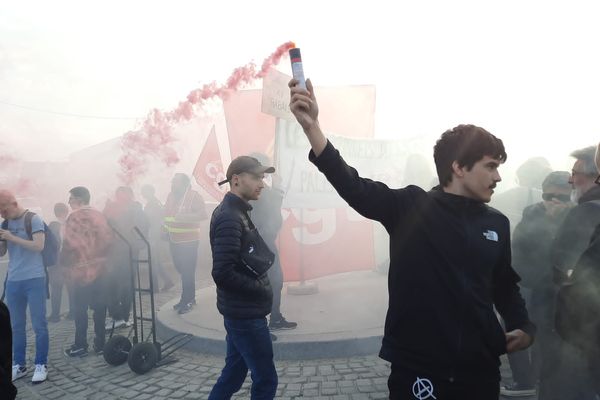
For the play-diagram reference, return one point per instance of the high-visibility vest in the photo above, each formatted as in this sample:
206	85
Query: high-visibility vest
182	231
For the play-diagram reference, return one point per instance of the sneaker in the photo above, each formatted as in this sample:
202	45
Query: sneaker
186	308
54	318
40	374
117	324
98	350
76	351
281	324
517	390
181	304
18	371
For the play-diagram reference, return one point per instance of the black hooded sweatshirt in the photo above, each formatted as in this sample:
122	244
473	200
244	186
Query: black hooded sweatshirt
450	264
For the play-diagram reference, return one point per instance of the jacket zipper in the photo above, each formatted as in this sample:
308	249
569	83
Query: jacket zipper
464	286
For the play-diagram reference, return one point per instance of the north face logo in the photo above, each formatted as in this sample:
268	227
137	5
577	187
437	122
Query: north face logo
490	235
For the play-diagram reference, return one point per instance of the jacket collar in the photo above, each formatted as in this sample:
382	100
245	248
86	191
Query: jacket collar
592	194
457	202
237	202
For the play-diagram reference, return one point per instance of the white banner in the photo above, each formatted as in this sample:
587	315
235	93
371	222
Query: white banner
306	187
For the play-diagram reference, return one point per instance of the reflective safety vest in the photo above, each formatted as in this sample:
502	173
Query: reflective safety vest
183	231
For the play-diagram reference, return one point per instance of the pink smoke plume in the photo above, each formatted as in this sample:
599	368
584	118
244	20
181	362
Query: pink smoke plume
155	137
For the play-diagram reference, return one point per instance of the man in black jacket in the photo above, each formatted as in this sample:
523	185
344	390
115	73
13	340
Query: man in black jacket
572	240
243	298
450	263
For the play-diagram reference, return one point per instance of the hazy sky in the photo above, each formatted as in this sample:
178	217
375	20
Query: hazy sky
528	71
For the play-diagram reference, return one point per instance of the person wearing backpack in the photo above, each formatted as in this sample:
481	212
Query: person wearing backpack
26	284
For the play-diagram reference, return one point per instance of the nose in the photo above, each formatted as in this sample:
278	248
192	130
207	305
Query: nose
497	177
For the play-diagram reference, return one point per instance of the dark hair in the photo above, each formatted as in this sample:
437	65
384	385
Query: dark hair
465	144
61	209
586	156
81	193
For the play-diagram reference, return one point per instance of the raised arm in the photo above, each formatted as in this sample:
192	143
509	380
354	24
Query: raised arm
373	200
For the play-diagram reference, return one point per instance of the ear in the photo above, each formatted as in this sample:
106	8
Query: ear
457	169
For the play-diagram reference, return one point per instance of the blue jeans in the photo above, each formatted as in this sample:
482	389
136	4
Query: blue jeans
249	346
19	294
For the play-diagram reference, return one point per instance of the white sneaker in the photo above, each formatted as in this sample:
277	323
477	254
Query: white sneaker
40	374
18	371
118	323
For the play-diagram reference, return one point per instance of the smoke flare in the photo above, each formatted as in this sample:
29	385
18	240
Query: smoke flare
155	138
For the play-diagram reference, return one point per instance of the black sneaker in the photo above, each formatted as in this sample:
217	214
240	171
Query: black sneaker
281	324
186	308
517	390
76	351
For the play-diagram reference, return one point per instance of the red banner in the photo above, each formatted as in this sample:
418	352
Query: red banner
312	243
209	167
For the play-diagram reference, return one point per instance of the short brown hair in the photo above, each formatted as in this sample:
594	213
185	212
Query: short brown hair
465	144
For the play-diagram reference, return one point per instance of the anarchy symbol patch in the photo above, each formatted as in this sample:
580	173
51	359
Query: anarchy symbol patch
423	389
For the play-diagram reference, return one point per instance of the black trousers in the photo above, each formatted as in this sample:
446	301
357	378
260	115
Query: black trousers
409	385
276	278
185	257
85	297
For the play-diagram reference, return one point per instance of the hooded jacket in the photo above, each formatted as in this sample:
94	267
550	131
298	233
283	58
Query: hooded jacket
450	264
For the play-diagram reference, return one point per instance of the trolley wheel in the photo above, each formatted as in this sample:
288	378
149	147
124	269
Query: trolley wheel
116	350
142	357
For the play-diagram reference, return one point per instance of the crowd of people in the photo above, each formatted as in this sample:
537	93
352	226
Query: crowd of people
467	282
95	254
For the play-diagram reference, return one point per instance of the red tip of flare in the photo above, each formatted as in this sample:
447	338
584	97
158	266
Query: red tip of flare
292	45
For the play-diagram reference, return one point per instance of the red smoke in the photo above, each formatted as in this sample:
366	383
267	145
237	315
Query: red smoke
155	138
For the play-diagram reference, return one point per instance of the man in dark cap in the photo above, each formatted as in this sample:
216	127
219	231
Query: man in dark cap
241	260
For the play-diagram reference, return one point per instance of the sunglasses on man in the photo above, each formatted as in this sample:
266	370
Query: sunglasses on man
563	198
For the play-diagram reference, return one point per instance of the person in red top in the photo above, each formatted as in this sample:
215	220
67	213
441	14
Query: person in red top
86	244
184	211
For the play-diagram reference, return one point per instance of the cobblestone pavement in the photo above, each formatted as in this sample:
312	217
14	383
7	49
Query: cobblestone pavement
193	375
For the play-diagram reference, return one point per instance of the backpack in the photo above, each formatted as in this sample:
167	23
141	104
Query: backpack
51	244
49	252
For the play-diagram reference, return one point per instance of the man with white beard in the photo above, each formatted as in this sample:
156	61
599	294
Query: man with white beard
574	234
572	239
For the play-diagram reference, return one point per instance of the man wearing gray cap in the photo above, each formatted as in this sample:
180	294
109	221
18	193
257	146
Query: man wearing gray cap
241	260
